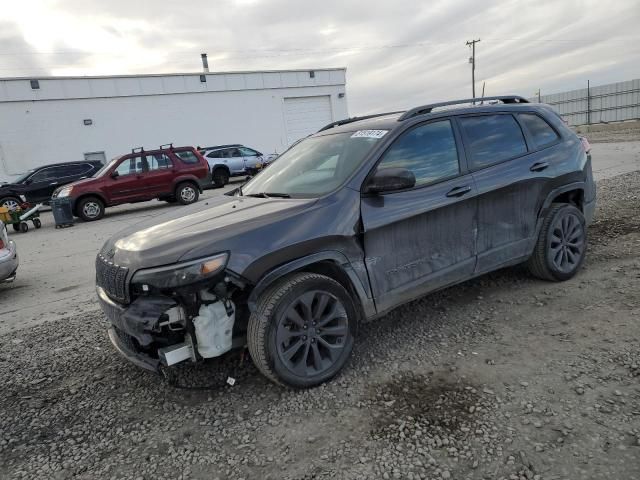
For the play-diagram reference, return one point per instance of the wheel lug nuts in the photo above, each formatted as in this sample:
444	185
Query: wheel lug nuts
313	340
304	337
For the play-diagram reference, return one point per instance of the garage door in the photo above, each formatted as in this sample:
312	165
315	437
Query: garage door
306	115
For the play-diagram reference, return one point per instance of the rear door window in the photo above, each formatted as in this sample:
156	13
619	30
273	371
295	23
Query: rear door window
159	161
541	132
492	139
428	150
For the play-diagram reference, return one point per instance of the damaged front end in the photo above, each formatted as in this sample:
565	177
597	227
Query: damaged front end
166	315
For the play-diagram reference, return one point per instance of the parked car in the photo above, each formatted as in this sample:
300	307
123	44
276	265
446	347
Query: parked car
235	160
8	256
350	223
171	174
37	185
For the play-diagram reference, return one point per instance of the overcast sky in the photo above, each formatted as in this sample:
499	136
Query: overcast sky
397	53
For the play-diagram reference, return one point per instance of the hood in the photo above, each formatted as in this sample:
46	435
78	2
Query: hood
169	237
77	182
11	187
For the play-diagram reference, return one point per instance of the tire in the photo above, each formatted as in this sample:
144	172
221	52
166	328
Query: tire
187	193
10	202
24	228
90	209
37	223
16	227
280	345
561	246
220	177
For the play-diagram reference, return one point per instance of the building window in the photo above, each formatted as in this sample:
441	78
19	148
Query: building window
95	157
312	74
203	78
35	85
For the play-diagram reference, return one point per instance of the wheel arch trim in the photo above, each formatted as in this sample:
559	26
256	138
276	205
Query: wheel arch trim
338	259
559	191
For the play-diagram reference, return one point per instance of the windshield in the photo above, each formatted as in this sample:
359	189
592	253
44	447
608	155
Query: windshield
105	168
315	166
23	177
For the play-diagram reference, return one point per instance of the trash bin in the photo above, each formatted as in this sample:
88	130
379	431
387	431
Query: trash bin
62	212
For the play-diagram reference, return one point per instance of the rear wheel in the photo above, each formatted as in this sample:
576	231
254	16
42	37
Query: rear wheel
37	223
220	177
24	228
302	332
90	209
10	202
562	244
187	193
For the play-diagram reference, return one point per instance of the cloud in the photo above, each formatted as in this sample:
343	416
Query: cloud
398	54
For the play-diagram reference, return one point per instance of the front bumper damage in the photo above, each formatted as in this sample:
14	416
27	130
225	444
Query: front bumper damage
153	332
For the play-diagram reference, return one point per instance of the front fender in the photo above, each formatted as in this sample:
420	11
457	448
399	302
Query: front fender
337	258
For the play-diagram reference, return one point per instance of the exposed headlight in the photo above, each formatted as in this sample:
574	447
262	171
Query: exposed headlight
181	274
64	192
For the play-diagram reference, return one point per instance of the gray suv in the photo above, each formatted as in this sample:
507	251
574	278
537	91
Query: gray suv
361	217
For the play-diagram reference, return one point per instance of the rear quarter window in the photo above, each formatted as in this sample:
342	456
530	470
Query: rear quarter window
541	132
492	139
187	156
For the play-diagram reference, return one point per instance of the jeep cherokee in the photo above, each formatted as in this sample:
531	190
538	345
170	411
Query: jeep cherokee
361	217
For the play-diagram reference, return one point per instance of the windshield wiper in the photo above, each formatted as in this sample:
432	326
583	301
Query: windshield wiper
268	195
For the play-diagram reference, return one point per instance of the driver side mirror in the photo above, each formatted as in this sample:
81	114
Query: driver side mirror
390	180
115	174
28	181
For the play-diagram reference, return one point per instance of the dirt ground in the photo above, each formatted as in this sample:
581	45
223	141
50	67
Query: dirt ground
503	377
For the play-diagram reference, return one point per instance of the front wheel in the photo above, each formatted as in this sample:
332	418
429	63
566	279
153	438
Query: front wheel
302	332
561	245
11	203
91	209
187	193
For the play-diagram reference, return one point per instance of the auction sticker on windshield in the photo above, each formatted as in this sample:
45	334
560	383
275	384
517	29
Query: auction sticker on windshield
369	134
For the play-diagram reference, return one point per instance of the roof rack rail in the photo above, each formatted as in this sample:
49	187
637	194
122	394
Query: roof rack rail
424	109
212	147
139	150
170	145
353	119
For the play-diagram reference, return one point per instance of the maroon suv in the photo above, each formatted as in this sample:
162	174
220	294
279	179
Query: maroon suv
171	174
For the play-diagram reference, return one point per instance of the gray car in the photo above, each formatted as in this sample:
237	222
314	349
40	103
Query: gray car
359	218
8	256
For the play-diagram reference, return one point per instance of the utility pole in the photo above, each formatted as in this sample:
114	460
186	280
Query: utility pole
472	61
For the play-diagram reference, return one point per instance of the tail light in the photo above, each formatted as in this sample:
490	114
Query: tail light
585	144
1	244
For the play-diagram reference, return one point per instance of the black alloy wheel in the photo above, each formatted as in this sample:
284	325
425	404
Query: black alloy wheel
302	331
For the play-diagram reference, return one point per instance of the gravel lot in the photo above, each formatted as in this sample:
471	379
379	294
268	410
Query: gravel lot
503	377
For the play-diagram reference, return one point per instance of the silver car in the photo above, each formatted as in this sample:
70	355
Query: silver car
8	256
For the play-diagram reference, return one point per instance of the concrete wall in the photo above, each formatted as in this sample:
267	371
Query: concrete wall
614	102
44	126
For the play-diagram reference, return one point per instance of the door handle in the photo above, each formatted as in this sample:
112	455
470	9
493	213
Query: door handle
459	191
539	166
53	183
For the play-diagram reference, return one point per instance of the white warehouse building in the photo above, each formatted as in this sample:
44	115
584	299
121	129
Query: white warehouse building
61	119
